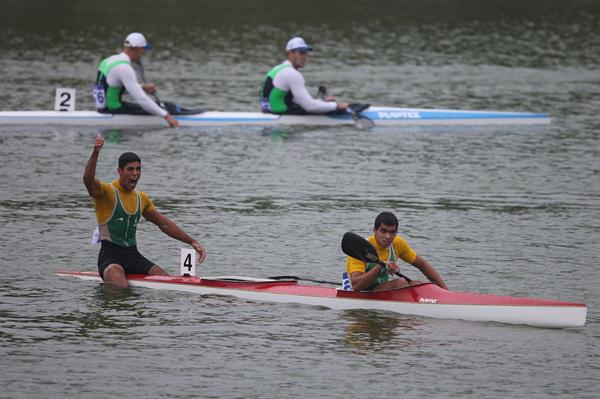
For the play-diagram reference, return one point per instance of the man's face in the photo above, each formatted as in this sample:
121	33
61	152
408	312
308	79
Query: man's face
385	234
298	58
136	54
129	175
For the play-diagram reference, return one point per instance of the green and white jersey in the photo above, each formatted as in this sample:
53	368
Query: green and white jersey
284	91
115	76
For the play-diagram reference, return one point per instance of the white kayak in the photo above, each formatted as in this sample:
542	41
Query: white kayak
381	116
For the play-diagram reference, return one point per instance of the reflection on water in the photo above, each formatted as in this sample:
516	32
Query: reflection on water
113	135
109	296
112	312
369	330
109	312
275	133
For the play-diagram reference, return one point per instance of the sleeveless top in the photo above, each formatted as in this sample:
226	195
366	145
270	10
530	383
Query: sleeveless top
121	227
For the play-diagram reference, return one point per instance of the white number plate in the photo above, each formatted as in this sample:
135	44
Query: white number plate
64	99
188	262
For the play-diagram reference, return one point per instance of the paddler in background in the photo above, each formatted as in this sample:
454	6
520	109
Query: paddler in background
118	209
116	75
390	248
284	90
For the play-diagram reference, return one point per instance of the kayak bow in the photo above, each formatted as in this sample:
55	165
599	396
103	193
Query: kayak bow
425	299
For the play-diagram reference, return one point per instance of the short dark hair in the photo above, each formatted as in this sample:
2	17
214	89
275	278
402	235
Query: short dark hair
128	157
387	218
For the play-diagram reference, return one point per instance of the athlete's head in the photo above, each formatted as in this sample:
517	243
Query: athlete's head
135	45
136	40
385	228
297	51
128	157
130	170
387	218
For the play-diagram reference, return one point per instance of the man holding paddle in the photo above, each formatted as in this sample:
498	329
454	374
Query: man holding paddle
284	90
116	75
375	258
118	209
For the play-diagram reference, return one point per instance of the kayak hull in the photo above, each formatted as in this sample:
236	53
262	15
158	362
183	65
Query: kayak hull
381	116
426	299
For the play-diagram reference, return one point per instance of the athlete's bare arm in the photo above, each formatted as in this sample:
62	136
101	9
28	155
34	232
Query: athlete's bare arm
89	175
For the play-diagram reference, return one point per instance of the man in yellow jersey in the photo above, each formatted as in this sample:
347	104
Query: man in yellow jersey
390	247
118	208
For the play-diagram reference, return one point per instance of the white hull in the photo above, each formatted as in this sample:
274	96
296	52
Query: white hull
382	116
539	316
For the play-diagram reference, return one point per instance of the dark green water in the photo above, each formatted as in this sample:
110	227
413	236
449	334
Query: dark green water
506	210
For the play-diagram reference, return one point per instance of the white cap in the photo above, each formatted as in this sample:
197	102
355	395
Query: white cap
136	40
297	44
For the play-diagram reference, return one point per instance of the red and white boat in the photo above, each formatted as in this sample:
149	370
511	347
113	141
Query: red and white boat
425	299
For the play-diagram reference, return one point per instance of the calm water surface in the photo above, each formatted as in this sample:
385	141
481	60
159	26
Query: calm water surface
506	210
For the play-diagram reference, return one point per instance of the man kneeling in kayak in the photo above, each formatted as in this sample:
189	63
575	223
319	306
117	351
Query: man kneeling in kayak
118	209
390	247
116	75
284	91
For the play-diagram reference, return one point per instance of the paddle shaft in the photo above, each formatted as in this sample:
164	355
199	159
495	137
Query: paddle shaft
143	76
302	279
397	273
354	115
360	120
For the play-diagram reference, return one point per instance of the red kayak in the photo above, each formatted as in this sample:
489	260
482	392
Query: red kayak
425	299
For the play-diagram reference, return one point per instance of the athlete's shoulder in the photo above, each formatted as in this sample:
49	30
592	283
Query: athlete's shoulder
146	202
398	240
143	194
106	191
122	57
116	58
291	71
404	250
104	186
288	78
119	62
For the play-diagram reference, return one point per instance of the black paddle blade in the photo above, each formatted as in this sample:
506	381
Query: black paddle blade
176	109
358	108
357	247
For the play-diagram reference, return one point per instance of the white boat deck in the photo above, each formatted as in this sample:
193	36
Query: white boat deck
381	116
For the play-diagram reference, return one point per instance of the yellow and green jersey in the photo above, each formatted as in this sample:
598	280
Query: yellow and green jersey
399	249
118	212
